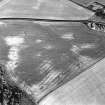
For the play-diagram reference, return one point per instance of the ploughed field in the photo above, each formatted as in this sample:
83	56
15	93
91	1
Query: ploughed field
39	57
